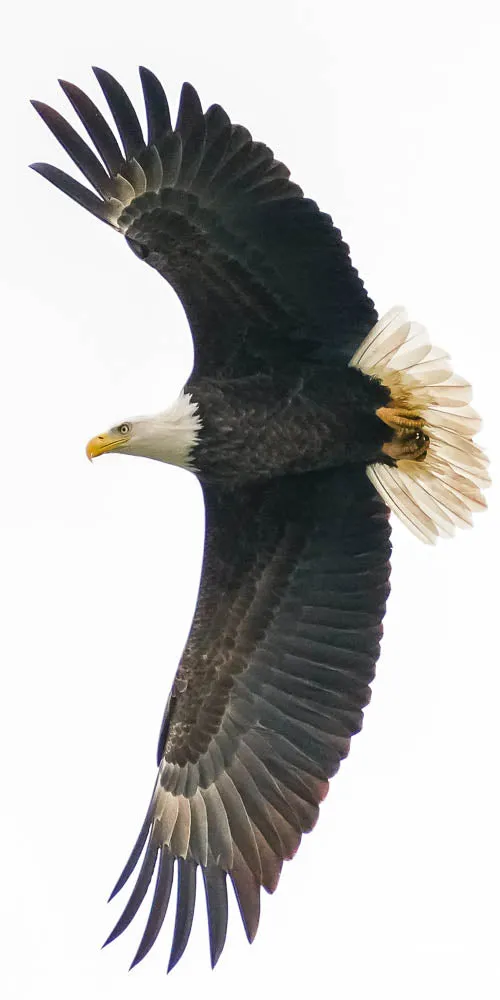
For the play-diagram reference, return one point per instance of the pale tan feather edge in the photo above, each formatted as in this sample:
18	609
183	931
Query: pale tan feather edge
435	495
124	191
214	826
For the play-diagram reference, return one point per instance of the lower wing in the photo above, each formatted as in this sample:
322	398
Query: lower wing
271	687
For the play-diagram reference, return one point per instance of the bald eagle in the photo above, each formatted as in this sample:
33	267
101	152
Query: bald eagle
305	419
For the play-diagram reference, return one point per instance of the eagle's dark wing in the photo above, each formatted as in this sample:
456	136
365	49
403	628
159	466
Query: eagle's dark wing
271	687
261	272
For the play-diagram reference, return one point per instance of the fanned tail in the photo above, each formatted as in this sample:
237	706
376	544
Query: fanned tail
439	487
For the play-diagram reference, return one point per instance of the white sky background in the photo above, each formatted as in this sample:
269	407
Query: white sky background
388	115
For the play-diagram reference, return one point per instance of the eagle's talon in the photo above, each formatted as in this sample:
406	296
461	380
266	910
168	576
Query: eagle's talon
407	444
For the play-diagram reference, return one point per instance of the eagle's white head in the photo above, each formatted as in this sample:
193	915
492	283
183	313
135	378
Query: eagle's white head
169	436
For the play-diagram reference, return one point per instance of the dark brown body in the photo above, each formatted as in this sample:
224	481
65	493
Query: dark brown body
269	425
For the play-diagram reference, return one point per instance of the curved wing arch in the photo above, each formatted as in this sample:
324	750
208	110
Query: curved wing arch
261	272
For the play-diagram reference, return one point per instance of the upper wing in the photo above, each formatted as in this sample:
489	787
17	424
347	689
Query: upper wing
271	687
258	268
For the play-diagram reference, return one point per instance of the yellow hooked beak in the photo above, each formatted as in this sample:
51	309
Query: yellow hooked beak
103	443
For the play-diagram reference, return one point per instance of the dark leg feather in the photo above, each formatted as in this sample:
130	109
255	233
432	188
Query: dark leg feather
186	897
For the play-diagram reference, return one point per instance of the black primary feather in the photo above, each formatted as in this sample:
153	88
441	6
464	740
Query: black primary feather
123	113
157	109
216	897
96	126
159	905
186	898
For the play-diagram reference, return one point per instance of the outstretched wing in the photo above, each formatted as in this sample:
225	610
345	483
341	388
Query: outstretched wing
271	687
259	269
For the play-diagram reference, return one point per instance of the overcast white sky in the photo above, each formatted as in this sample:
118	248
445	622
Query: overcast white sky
388	115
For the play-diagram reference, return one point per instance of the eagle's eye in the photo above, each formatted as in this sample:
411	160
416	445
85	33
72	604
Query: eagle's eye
124	428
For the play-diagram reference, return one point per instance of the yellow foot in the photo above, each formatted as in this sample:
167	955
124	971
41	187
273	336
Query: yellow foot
409	440
399	416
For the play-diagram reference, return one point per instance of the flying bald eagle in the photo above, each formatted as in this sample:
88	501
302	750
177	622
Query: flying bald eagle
304	419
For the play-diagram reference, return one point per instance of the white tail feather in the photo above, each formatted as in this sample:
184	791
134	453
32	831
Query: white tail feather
436	494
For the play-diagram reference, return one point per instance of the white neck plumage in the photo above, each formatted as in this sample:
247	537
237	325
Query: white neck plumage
169	436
